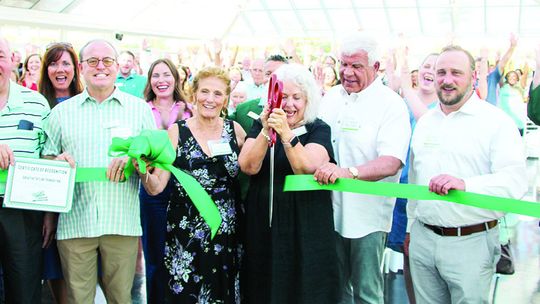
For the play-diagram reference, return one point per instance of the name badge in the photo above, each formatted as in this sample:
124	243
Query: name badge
121	132
253	115
432	142
299	131
219	147
350	124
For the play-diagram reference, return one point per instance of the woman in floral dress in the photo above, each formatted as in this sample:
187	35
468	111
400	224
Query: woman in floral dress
201	269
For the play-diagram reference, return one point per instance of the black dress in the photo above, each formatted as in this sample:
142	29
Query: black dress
295	260
201	270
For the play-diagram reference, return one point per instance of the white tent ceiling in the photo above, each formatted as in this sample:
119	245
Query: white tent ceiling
275	19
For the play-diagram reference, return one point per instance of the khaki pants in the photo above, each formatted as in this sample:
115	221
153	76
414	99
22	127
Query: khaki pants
452	269
79	265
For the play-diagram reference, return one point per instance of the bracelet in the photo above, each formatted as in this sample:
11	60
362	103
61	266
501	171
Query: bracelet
265	135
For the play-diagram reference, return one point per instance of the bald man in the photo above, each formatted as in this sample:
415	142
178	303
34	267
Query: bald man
23	114
105	216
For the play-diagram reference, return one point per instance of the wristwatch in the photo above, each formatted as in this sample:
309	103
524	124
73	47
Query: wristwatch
354	172
294	141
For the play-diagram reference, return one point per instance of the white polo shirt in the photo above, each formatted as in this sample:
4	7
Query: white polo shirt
365	126
480	144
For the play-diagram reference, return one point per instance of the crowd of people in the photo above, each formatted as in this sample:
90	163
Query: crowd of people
452	124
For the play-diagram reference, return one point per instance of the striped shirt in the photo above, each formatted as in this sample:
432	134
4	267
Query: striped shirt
84	128
22	121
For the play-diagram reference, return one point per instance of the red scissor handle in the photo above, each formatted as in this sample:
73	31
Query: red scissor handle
275	96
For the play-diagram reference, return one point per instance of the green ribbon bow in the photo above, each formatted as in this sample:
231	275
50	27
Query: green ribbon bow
410	191
155	147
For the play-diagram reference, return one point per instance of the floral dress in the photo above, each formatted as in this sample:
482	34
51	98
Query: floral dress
201	270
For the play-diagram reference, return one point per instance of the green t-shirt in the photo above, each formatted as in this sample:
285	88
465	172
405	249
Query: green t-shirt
134	84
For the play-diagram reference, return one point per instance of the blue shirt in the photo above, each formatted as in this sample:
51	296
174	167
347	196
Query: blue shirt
493	79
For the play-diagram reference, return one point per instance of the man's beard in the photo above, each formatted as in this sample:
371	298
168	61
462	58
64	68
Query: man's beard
449	101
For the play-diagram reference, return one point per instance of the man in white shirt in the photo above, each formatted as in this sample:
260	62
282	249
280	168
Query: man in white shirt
257	88
370	137
465	144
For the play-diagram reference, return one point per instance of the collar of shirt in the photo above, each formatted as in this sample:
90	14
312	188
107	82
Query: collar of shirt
121	77
115	96
175	105
253	85
470	107
263	101
14	95
173	113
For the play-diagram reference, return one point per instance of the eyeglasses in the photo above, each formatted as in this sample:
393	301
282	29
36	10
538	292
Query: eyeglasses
93	62
66	45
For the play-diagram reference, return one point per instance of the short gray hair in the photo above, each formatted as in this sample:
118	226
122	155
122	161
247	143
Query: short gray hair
361	41
302	77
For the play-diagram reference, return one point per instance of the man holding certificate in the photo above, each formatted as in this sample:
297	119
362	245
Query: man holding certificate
23	114
104	215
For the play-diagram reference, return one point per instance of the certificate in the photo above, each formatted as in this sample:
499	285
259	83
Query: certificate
40	184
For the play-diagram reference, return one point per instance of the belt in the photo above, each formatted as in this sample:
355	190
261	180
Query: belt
461	231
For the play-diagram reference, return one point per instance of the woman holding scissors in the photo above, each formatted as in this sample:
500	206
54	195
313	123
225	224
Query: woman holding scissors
290	254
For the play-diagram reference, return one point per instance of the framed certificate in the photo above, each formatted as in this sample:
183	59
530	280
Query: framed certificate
40	184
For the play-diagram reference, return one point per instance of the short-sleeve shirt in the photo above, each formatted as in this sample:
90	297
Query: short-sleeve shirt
365	126
22	121
84	128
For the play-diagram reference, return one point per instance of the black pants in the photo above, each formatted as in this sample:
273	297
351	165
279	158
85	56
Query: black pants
20	254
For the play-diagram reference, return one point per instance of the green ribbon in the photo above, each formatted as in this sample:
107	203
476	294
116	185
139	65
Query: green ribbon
155	146
91	175
410	191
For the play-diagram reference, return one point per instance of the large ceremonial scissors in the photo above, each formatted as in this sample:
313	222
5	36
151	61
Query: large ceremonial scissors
275	96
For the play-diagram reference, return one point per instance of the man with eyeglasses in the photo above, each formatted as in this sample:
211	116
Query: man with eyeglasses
23	113
370	137
105	215
128	81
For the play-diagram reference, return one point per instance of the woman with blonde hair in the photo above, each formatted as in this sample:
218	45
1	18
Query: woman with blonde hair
201	270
